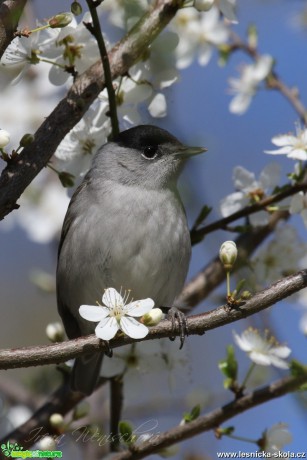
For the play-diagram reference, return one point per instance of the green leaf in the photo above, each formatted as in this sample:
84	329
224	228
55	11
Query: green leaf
193	415
204	212
126	432
227	430
229	367
297	369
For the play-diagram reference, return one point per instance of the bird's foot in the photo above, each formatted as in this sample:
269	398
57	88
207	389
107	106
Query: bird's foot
179	320
108	351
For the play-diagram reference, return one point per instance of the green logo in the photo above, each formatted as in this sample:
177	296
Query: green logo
8	448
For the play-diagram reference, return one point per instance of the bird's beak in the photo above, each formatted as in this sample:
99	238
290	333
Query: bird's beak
186	151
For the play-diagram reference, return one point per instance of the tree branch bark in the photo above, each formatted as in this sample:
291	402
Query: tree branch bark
197	324
215	418
10	12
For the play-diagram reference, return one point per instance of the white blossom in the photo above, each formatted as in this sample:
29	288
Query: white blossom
42	210
281	256
157	108
250	190
227	7
76	151
275	438
85	46
264	351
115	314
47	443
199	33
298	205
17	415
130	93
294	147
4	138
17	59
245	87
302	300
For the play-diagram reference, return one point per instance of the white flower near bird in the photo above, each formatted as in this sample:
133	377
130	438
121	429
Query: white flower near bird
116	314
264	351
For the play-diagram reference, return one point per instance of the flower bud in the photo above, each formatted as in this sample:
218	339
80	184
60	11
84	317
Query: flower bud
153	317
55	332
203	5
26	139
228	254
47	443
56	420
4	138
60	20
76	8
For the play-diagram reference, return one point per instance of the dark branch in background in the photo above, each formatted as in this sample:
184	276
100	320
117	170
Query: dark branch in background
10	12
198	234
95	30
197	324
215	418
199	287
20	173
63	400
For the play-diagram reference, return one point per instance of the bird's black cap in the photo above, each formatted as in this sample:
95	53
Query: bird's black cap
144	135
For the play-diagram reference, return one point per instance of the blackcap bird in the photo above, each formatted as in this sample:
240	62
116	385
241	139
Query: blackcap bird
125	228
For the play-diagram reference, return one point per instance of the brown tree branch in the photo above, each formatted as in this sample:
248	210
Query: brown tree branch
199	287
215	418
197	324
20	173
10	12
199	233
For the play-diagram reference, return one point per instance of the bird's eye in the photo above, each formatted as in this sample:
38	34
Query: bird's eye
150	152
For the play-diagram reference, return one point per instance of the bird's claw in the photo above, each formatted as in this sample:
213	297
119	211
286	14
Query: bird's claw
178	319
108	351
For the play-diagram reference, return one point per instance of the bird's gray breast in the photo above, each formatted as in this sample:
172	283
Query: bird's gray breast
126	237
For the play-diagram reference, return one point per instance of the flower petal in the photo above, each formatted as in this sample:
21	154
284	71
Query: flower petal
283	140
107	328
139	307
93	312
283	150
281	351
298	154
133	328
278	362
241	342
260	358
270	176
111	298
297	203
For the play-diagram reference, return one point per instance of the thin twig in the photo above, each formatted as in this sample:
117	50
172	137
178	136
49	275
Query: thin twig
214	418
198	234
95	30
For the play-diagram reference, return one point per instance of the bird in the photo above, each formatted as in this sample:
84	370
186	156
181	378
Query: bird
125	228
